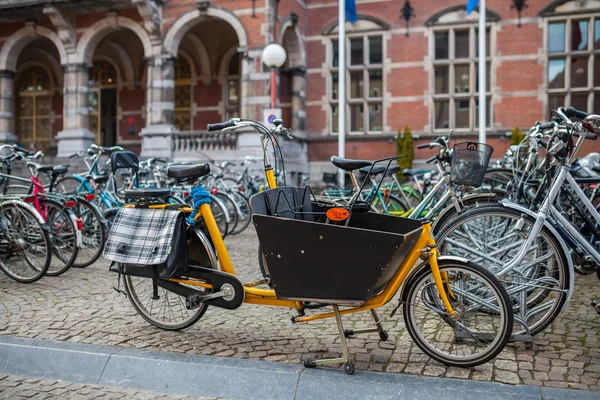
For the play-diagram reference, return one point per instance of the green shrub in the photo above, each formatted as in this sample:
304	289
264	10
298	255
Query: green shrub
517	136
404	147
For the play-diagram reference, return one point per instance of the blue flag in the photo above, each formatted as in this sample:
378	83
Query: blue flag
351	14
471	5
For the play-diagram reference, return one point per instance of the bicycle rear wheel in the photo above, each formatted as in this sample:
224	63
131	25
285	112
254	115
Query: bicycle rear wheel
244	213
25	249
93	234
165	309
232	211
485	317
63	236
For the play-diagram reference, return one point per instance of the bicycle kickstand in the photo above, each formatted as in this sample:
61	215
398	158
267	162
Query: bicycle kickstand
383	335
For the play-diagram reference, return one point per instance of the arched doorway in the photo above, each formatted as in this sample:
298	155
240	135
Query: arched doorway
102	102
183	94
292	79
34	108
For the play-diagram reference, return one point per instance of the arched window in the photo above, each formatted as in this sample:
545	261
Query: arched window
183	95
232	88
34	109
102	102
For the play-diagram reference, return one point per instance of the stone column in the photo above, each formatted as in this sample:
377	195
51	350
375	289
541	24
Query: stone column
157	136
7	107
76	134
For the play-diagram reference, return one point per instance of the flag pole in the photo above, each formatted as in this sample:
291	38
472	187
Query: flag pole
341	85
482	77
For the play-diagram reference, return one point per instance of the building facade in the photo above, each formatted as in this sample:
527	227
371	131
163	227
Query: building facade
150	74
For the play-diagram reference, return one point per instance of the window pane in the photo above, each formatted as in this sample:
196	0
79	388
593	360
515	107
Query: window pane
487	77
579	101
462	113
183	96
556	37
375	50
375	117
579	72
597	34
462	79
26	106
356	118
334	85
334	118
356	51
597	71
356	84
334	53
488	123
442	76
441	45
233	92
555	101
487	42
461	44
579	35
556	74
375	83
596	107
441	115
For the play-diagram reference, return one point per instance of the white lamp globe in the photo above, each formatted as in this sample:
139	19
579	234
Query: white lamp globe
273	55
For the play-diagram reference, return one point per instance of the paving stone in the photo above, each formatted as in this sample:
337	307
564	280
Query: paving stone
82	306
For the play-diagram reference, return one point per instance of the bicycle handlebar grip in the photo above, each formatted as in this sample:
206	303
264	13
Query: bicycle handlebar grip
220	125
424	146
547	125
543	143
573	112
432	159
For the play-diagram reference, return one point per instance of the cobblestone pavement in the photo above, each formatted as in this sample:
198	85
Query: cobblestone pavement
20	388
82	306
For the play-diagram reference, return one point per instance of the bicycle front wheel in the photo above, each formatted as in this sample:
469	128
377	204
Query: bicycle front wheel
93	234
25	249
485	319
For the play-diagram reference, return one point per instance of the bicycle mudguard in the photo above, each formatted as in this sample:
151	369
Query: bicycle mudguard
563	245
28	207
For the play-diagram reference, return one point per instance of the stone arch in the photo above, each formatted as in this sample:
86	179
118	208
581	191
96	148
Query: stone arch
21	38
458	14
365	23
94	34
225	60
186	21
296	57
115	65
201	57
128	73
54	65
35	63
558	7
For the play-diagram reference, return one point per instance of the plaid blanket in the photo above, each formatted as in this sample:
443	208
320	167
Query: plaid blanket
141	236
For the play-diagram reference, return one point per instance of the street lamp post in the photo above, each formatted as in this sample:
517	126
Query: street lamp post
273	56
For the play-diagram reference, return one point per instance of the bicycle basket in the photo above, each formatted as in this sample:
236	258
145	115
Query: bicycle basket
309	260
469	163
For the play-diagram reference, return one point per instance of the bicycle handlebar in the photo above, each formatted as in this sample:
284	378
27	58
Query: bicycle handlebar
571	112
220	125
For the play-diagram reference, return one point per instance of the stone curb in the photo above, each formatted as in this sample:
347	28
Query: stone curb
198	375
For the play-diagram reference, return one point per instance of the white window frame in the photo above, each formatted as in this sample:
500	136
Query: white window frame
473	61
365	67
567	55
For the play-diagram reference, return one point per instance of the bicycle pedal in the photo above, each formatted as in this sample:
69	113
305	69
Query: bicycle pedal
194	301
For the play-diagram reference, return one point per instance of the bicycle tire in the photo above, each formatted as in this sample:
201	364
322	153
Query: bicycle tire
93	234
244	212
548	245
232	210
449	212
199	251
27	226
486	285
63	236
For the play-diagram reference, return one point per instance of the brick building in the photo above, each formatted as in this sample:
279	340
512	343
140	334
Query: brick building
150	74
